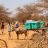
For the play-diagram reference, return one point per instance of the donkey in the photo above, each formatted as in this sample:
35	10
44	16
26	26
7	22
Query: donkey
21	32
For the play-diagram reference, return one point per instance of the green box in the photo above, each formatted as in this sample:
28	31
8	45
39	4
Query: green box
42	24
27	26
35	25
32	25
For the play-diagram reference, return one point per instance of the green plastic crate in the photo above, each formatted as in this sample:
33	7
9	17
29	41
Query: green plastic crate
35	25
42	24
27	26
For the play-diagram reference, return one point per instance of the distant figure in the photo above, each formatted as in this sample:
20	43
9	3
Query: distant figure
9	29
23	21
17	25
2	27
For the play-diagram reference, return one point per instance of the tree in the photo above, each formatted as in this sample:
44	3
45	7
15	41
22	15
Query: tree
4	14
28	10
45	1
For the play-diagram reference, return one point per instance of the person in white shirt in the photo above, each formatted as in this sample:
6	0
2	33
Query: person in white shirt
9	29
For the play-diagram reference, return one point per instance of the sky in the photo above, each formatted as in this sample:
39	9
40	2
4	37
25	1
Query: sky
13	4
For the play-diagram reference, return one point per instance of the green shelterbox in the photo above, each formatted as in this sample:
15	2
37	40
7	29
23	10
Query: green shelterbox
29	24
42	24
35	25
32	25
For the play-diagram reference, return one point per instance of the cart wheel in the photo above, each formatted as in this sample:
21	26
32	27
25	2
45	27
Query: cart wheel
3	44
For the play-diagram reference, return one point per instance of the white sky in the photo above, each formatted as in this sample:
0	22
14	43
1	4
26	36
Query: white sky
12	4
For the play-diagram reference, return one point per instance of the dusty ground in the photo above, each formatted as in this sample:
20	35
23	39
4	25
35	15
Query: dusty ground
13	42
38	41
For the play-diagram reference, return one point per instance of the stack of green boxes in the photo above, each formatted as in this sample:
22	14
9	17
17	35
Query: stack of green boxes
34	24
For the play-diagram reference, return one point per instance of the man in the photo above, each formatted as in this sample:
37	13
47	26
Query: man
17	26
2	27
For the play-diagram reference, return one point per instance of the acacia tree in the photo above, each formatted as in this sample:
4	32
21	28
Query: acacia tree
4	13
45	1
25	12
28	10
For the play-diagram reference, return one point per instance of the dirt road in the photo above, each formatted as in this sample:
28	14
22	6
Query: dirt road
13	42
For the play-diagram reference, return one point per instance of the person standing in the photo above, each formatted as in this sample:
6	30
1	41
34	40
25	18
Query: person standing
2	27
9	29
17	26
